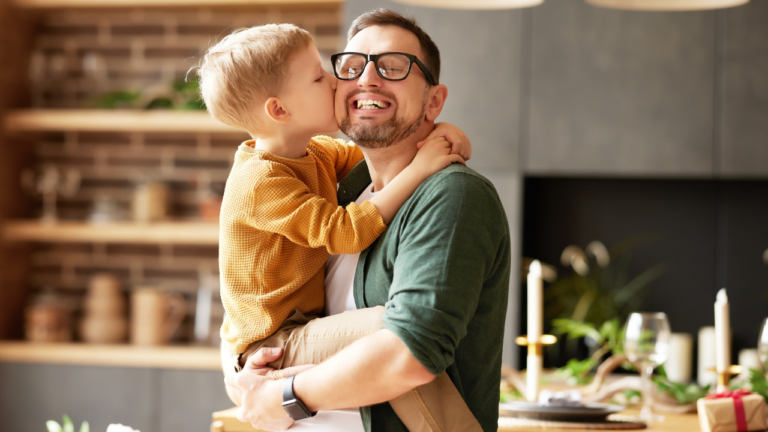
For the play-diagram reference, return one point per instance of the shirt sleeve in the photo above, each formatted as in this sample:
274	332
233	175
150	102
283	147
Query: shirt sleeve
284	205
345	155
452	244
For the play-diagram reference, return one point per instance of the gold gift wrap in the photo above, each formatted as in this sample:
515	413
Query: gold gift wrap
719	415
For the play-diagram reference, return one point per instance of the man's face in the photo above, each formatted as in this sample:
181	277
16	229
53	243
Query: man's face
375	127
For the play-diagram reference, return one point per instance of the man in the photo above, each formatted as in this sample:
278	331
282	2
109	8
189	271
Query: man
441	269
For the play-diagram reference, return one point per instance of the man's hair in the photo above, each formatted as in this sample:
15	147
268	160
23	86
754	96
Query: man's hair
383	17
245	68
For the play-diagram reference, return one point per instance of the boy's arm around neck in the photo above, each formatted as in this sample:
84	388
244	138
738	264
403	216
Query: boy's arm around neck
280	203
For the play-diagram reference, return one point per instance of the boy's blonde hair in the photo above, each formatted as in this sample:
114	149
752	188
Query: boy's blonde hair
245	68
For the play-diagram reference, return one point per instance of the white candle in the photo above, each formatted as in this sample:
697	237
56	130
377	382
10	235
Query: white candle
535	329
722	334
707	352
749	359
678	365
535	302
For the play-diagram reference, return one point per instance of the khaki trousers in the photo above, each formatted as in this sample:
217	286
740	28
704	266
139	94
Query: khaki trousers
433	407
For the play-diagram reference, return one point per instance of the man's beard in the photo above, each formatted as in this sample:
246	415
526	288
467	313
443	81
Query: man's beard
382	135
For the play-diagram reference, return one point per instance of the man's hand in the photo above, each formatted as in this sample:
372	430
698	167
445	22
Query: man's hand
459	140
261	388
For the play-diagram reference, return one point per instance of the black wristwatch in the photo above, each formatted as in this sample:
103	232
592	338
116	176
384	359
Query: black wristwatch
291	404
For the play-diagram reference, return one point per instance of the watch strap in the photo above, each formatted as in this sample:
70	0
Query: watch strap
288	389
293	405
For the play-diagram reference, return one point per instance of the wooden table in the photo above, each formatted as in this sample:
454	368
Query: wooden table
671	423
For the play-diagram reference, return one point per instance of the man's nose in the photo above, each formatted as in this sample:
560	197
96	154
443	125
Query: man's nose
369	78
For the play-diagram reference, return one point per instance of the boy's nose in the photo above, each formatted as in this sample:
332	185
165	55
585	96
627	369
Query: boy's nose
334	81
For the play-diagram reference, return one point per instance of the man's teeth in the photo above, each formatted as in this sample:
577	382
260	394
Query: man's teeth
371	104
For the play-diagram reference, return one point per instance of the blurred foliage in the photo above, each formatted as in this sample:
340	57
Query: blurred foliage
600	288
118	99
683	393
758	383
608	339
509	396
66	426
182	95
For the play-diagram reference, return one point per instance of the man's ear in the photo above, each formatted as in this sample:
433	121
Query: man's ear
275	111
437	96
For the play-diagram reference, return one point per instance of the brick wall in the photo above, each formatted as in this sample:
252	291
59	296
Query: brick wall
81	55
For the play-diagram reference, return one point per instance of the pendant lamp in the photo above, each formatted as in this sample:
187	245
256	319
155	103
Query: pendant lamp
667	5
472	4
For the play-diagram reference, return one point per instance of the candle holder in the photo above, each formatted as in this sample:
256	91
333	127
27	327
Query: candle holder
536	348
534	361
724	378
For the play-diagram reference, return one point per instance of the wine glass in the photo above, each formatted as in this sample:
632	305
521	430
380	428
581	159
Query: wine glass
646	343
762	344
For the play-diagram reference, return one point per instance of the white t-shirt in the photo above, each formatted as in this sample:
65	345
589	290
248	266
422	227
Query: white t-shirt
339	281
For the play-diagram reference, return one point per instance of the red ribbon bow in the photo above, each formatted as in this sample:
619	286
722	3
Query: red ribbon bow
738	405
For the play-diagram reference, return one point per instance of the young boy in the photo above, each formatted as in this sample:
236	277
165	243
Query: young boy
280	218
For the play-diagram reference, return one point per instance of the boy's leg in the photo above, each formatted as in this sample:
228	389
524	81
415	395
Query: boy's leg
436	406
433	407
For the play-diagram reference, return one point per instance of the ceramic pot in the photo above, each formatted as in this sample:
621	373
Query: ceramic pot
104	329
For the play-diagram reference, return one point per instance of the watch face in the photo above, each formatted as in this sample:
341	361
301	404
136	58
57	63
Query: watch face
296	410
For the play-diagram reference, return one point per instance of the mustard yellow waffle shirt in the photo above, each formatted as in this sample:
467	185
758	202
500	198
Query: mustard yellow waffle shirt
280	219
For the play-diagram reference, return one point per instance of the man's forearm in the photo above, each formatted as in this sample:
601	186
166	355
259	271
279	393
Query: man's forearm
375	369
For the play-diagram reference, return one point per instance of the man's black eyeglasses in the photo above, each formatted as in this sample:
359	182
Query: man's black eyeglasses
392	66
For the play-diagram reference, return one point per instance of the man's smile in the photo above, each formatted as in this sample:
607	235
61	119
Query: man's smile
370	104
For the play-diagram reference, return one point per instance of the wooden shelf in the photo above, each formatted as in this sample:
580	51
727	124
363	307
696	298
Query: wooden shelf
182	233
54	120
58	4
162	357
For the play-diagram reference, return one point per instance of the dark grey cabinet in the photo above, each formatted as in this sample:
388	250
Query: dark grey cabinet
744	149
149	400
620	92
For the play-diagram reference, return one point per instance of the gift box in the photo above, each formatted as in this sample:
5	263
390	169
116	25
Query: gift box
736	411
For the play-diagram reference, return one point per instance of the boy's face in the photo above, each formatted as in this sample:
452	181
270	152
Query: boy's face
308	93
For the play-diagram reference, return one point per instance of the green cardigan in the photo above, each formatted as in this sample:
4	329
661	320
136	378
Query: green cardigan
442	270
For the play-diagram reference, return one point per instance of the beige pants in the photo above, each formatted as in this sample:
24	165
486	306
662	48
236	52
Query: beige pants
433	407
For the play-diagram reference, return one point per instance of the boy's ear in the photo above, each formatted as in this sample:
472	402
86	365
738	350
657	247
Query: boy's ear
273	107
436	100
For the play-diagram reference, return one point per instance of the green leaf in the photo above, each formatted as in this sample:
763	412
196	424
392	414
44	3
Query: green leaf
510	396
67	424
576	371
758	383
609	331
639	282
85	427
576	329
52	426
630	393
160	103
684	394
117	99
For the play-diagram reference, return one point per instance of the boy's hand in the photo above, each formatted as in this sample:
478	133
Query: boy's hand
459	141
433	156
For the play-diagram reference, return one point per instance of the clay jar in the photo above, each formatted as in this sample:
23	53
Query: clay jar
48	323
105	321
155	315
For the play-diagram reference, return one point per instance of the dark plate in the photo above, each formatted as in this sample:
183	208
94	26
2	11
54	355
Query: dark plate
588	413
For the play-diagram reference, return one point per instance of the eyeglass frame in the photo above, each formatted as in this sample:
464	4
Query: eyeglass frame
375	59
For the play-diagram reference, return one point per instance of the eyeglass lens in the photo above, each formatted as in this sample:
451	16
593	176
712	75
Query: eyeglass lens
390	66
